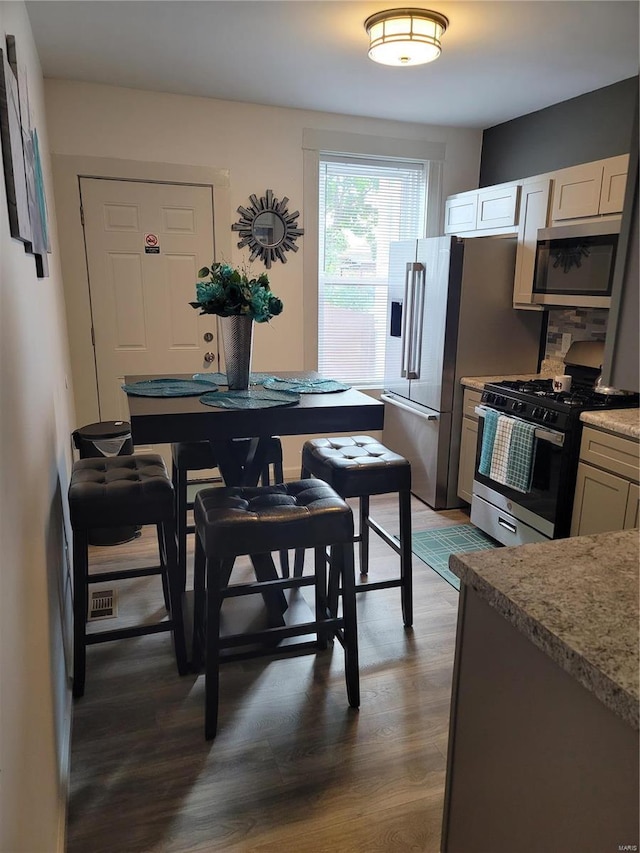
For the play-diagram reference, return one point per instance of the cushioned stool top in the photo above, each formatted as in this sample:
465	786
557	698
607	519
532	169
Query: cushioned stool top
120	490
198	455
256	520
356	465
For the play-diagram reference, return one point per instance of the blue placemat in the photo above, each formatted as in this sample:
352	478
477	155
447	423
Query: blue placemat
253	398
168	388
305	386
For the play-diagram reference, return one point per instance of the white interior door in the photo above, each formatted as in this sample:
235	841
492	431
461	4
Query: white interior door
145	243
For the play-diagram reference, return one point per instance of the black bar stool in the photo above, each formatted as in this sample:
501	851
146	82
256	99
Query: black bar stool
236	521
199	456
113	492
358	466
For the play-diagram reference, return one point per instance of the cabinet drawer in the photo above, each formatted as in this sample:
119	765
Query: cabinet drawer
619	455
471	400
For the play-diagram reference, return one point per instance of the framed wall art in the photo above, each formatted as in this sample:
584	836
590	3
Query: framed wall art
12	149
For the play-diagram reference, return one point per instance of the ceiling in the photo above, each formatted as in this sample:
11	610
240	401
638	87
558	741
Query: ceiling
499	59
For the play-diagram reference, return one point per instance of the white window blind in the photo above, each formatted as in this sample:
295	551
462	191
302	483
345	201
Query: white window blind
364	205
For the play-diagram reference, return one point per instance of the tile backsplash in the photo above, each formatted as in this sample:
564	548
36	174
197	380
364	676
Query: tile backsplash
574	324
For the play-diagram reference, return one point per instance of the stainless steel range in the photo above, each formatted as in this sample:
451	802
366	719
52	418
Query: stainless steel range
544	511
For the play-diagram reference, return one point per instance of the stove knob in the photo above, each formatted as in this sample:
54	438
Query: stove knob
500	400
537	412
488	397
519	406
551	417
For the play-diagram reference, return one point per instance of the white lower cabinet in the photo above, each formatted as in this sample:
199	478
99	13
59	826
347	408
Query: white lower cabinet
468	442
607	494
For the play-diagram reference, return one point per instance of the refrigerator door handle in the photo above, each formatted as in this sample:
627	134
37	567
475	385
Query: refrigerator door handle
419	290
393	402
409	335
407	322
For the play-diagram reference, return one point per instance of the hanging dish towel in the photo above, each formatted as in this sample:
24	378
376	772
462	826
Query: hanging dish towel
488	438
500	456
521	457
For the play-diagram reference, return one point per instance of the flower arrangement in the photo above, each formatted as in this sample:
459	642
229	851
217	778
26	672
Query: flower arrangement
231	292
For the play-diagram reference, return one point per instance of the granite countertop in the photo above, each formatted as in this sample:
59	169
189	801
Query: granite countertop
577	600
619	421
477	383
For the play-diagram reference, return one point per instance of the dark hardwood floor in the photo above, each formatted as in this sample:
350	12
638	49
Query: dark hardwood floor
292	768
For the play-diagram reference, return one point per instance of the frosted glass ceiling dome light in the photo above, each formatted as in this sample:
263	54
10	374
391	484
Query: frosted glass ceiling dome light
405	36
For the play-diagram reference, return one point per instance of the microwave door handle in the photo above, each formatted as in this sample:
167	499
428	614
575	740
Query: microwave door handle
419	285
406	325
543	434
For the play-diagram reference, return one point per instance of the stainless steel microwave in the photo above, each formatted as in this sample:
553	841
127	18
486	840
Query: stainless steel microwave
574	264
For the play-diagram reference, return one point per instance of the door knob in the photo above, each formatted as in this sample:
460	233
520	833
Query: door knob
209	357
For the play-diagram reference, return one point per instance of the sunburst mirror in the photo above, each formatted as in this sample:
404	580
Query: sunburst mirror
267	227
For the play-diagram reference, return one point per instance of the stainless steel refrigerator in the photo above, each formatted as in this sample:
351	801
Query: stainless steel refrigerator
449	315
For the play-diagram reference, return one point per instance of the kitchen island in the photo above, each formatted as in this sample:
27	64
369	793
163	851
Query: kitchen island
543	744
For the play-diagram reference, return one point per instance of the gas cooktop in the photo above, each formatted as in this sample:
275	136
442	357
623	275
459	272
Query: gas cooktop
535	399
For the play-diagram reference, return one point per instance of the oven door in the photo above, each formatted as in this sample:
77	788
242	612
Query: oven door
515	518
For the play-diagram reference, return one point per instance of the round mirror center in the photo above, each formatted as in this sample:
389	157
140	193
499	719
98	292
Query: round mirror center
268	228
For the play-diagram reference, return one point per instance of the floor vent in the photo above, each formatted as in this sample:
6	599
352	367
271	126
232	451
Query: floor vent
103	604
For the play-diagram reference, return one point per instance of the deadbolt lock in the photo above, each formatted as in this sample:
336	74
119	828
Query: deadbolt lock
208	336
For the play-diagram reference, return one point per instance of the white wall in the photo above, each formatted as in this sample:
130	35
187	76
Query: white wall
261	147
36	413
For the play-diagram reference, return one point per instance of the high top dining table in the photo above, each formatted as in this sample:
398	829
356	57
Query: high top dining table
165	420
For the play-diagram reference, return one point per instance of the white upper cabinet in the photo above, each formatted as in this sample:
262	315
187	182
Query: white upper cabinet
591	189
483	210
614	183
460	213
497	207
534	211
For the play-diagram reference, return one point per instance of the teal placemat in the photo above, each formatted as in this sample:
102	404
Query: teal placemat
305	386
434	547
221	378
167	388
253	398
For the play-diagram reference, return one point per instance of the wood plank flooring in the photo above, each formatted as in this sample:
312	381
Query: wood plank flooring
292	768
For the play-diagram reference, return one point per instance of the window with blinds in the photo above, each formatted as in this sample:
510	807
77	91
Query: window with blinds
364	205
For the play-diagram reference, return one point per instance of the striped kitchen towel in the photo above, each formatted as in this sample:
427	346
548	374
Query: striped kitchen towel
488	437
521	456
500	456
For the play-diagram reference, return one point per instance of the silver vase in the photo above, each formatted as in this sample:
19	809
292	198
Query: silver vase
237	339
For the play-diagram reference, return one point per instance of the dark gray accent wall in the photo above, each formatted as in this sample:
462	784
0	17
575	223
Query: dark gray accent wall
589	127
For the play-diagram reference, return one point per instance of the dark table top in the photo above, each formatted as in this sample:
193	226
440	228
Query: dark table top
163	420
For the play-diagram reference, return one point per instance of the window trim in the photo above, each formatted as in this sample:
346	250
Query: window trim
354	144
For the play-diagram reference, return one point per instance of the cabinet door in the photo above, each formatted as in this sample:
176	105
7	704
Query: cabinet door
468	441
614	182
497	207
632	515
576	191
460	213
534	209
600	503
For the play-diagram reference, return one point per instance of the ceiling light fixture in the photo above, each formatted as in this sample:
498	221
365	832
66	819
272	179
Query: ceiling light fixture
405	36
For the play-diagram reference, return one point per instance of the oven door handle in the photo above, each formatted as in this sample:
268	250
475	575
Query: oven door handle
543	434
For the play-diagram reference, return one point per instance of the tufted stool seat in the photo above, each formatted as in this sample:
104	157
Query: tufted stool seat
358	466
112	492
199	456
236	521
